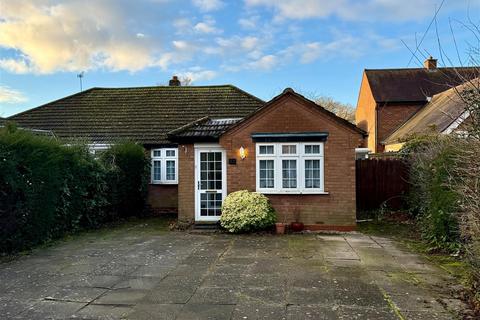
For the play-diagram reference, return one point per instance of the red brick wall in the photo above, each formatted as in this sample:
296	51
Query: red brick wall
163	198
290	114
365	113
186	182
392	116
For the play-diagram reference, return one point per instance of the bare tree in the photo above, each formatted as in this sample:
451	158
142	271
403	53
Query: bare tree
343	110
186	81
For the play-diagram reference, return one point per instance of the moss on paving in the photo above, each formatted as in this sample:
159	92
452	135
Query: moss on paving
408	235
135	226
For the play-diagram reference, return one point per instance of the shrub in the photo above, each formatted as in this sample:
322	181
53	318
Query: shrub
48	189
128	174
432	198
245	211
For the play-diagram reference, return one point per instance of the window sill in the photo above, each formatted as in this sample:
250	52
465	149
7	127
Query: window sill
293	192
167	182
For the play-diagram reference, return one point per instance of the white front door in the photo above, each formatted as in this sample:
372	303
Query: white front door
210	176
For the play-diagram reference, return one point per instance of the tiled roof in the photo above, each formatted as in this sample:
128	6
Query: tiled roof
204	129
141	114
415	84
444	109
290	91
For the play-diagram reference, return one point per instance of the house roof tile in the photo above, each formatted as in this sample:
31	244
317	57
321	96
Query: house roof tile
141	114
415	84
204	129
444	109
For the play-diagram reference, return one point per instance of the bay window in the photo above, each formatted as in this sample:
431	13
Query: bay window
164	169
290	167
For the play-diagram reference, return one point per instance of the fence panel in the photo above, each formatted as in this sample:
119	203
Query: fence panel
381	181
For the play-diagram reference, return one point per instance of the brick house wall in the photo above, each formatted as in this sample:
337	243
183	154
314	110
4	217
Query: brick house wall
365	114
186	182
335	210
380	119
390	117
163	198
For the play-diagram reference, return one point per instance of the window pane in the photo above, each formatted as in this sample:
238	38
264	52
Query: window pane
312	173
266	149
289	173
157	170
170	170
170	153
312	149
157	153
266	174
289	149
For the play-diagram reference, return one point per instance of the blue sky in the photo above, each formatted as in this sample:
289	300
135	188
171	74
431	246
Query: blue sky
261	46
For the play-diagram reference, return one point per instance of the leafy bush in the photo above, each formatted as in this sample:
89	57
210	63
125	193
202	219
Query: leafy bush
48	189
128	176
245	211
432	198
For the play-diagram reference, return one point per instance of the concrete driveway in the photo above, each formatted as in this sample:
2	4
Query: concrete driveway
137	274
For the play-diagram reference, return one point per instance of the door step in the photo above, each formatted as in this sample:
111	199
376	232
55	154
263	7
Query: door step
206	226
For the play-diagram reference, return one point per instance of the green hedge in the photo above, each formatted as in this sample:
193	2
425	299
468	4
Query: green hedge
432	198
48	189
128	175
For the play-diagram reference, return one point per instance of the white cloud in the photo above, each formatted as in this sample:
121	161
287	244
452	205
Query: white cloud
19	66
76	35
249	23
9	95
236	45
197	74
266	62
388	10
208	5
207	26
182	25
346	46
249	42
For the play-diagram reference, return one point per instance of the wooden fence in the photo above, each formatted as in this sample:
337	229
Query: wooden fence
381	181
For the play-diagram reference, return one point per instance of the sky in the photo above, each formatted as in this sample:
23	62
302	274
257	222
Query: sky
319	48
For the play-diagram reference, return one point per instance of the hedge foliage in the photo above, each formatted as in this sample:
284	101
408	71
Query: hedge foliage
433	199
48	189
244	211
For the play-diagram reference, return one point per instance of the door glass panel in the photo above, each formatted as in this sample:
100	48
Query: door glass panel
210	184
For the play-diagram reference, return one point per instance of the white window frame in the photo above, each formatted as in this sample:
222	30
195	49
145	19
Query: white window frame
163	165
300	157
96	148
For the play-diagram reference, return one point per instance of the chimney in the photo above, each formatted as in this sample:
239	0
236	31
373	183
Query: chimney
430	63
174	82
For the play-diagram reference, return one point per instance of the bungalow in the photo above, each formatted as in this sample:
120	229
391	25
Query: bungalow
208	141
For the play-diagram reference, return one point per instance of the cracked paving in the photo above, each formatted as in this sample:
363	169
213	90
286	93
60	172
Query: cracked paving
179	275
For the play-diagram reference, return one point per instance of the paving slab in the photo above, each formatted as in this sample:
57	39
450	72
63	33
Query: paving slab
103	312
177	275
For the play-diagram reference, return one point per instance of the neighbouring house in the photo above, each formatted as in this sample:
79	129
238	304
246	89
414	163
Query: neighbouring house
390	97
37	132
445	113
208	141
